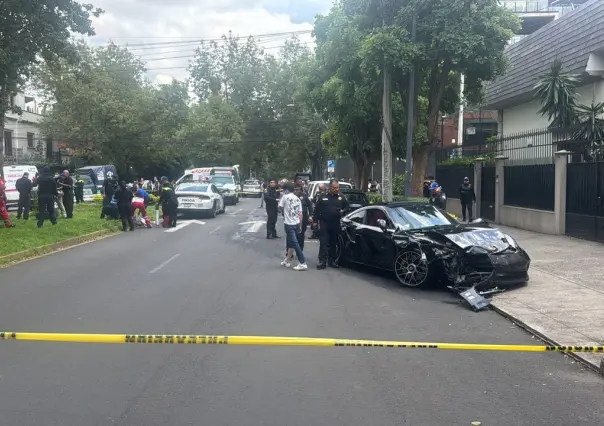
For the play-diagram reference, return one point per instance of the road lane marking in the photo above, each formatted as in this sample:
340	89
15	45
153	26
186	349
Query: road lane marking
152	271
183	224
253	226
215	229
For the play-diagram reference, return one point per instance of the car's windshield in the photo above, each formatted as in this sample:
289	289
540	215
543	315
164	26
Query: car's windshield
419	216
222	180
356	198
251	182
192	188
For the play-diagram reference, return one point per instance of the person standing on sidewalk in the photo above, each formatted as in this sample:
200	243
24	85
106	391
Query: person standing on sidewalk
124	196
292	219
79	189
467	197
24	186
47	192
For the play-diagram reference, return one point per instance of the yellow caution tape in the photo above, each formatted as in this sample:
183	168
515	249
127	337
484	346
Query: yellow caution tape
184	339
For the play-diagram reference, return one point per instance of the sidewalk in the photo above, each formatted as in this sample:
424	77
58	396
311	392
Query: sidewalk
564	299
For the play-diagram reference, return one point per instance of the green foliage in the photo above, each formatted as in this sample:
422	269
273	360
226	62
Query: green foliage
398	185
34	31
556	92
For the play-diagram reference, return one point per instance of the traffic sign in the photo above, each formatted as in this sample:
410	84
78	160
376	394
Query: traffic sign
331	166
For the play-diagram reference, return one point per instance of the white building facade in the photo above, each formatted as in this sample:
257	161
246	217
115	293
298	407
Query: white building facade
23	142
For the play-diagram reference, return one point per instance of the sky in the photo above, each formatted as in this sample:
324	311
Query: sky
165	31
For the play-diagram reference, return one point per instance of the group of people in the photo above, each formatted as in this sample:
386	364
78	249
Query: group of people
467	197
298	213
123	200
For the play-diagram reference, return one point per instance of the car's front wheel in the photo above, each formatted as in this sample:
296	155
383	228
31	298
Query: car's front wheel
411	268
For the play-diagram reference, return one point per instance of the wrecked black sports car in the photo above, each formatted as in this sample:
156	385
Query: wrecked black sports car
423	245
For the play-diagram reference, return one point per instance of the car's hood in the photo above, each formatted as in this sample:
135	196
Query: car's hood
492	240
465	236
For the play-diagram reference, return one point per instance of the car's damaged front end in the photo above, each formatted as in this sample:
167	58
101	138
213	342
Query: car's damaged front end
473	258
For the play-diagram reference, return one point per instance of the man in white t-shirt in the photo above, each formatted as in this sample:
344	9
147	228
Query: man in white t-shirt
291	207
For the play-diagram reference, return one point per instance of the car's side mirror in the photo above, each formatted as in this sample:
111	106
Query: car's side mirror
382	224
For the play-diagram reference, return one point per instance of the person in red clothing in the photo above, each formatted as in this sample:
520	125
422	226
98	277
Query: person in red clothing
3	209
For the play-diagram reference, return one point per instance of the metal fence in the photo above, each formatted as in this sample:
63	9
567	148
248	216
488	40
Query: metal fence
451	177
531	186
584	206
539	145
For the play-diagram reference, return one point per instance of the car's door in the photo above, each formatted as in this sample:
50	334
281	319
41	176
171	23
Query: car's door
215	195
350	235
377	244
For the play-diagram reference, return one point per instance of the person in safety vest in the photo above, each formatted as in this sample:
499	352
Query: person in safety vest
3	209
79	189
169	203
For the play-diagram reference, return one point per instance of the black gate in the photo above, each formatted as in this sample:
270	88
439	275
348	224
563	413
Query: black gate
584	198
487	193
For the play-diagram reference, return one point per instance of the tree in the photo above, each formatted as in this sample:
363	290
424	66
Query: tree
103	108
35	31
453	37
557	94
347	98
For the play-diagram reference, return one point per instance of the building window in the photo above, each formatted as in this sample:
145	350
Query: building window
8	143
30	140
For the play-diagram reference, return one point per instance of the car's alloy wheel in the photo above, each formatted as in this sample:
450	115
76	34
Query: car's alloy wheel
411	269
214	211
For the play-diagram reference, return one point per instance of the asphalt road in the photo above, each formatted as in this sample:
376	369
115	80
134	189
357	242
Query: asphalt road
216	278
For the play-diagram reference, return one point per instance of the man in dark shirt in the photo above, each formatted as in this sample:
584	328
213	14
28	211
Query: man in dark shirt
23	186
328	212
306	214
79	189
109	188
47	191
271	199
66	184
467	197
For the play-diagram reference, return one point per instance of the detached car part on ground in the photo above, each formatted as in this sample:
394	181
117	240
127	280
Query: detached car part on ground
423	245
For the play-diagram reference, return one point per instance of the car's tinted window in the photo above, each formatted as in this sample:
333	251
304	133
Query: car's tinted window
420	216
192	188
373	215
357	217
214	189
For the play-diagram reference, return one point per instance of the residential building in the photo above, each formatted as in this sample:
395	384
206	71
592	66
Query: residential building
22	139
577	39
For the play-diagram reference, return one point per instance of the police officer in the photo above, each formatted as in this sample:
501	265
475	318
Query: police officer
79	189
109	188
169	203
315	226
24	186
271	199
47	191
328	212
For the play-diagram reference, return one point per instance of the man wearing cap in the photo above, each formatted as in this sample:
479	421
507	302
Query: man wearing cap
23	186
466	197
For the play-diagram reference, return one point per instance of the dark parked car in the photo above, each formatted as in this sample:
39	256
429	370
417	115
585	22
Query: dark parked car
422	244
356	199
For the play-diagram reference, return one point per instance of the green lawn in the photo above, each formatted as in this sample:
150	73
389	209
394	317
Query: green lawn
25	235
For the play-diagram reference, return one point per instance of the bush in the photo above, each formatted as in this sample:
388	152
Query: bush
398	185
153	199
98	199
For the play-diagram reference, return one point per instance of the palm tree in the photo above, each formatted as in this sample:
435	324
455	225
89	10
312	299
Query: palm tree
556	92
590	126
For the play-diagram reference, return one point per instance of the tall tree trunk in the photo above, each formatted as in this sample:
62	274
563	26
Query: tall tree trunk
420	164
364	181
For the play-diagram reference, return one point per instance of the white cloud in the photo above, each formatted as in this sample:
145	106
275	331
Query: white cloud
180	23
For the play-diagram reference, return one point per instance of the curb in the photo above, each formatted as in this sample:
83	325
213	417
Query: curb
30	254
576	356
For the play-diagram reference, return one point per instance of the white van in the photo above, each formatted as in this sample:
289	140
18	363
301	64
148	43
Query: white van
11	175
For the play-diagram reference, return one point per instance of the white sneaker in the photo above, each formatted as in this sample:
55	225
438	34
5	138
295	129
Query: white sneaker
301	267
286	263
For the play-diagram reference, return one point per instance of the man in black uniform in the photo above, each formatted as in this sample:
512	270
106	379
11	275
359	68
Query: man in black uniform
271	199
328	212
315	226
47	191
24	186
467	197
109	188
169	203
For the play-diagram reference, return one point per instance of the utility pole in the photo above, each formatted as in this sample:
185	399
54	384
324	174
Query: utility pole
386	132
410	116
460	118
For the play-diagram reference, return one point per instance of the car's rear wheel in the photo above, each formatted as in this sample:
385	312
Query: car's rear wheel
214	211
411	268
223	207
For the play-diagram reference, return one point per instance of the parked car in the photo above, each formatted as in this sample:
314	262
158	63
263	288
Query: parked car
422	244
14	173
199	198
356	199
252	188
313	187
